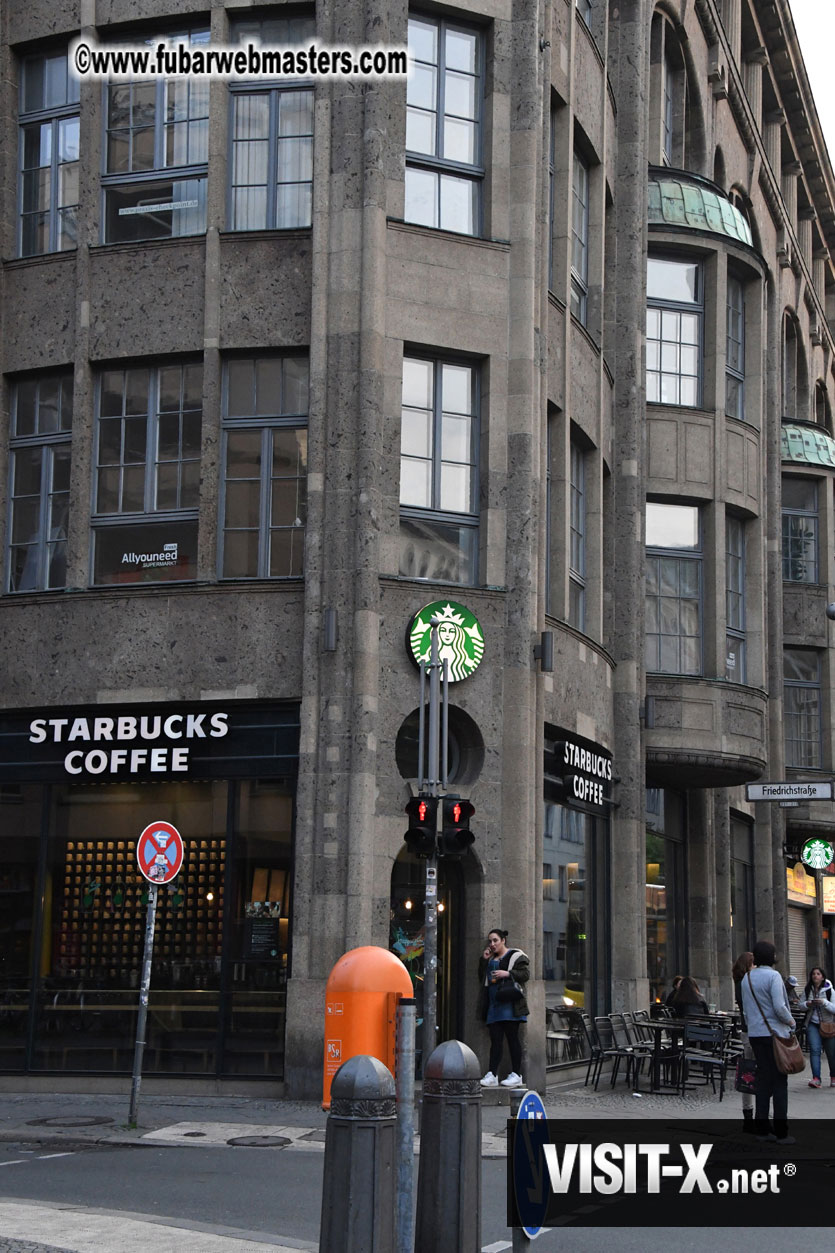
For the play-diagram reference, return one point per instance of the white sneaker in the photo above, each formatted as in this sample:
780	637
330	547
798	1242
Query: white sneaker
489	1080
512	1081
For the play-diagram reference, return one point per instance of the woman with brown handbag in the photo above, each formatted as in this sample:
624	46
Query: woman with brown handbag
767	1013
820	1024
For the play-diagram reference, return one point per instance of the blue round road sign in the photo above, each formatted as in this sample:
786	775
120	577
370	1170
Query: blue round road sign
529	1176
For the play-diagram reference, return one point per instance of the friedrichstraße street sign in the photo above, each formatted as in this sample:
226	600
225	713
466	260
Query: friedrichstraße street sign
785	791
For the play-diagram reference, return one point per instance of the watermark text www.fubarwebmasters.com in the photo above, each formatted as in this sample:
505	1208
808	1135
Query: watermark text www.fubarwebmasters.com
177	59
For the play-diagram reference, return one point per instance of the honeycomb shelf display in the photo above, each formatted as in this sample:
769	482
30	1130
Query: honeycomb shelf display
101	914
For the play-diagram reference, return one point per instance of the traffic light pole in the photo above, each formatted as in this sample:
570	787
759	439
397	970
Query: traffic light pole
430	917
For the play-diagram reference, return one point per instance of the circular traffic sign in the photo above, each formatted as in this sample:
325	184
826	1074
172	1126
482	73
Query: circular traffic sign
159	852
530	1134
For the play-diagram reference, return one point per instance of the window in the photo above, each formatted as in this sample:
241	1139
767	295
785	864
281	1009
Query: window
147	474
823	412
547	881
272	139
40	482
48	155
800	530
668	107
264	502
156	153
552	171
438	487
443	124
577	546
793	372
735	351
579	238
674	322
584	9
735	599
673	594
802	707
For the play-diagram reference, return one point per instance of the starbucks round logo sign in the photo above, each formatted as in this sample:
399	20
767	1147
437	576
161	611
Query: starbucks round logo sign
817	854
460	641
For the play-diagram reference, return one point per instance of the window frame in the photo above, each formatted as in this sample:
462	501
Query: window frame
683	557
735	338
735	628
679	308
47	443
161	172
54	116
580	237
787	512
577	534
267	424
790	687
468	520
442	167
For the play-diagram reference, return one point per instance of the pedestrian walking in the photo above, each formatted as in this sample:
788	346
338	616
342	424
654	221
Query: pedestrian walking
739	970
766	1009
503	973
820	1024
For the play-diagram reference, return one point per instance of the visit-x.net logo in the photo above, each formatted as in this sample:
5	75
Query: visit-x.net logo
693	1172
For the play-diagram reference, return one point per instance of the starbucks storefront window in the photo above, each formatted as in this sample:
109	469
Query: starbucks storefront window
70	970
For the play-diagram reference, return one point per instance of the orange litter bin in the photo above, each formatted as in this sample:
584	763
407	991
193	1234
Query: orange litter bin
361	1009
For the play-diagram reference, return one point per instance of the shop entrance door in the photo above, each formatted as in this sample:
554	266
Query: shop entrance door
406	933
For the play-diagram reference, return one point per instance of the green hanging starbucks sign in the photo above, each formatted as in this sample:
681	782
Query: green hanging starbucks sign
817	854
460	638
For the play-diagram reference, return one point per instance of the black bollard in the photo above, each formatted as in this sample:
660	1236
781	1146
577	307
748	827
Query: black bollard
360	1160
449	1175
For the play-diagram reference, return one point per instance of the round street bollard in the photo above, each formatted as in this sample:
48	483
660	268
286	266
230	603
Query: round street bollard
449	1175
360	1157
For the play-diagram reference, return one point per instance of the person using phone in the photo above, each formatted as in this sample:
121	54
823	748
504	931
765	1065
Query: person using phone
820	1004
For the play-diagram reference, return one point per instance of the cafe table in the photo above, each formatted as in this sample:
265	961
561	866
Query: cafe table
674	1028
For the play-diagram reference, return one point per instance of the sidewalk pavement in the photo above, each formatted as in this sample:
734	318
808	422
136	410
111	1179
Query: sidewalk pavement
55	1120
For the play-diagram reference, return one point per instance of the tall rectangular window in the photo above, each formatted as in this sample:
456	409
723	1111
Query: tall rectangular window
735	351
802	707
443	126
584	9
579	238
39	482
147	474
577	545
438	479
668	109
264	498
674	589
271	172
48	149
735	599
800	530
552	169
674	331
156	155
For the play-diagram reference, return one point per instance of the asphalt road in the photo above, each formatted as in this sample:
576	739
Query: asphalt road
278	1193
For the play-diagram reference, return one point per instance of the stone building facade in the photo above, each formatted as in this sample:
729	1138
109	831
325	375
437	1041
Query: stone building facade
536	334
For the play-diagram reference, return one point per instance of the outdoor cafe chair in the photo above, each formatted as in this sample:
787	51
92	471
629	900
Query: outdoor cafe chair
704	1046
593	1043
617	1050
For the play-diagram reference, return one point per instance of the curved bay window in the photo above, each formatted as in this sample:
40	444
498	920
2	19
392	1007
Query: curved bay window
675	312
802	707
673	592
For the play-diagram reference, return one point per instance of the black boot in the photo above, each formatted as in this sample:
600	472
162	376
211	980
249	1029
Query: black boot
748	1121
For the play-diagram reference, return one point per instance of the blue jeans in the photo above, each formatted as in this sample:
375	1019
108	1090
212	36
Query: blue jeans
816	1041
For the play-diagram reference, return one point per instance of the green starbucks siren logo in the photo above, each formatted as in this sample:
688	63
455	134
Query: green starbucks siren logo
460	641
817	853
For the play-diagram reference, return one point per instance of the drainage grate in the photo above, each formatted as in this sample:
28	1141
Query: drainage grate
194	1135
90	1121
260	1142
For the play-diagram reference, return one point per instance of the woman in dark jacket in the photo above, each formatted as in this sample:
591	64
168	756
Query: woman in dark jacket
503	1017
688	1000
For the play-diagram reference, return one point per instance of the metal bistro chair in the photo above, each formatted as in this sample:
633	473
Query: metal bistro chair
557	1039
612	1049
593	1043
704	1046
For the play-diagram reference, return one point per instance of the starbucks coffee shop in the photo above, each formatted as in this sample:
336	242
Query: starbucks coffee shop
77	788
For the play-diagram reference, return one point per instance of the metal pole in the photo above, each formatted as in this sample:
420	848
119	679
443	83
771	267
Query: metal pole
142	1017
430	926
445	727
422	726
520	1242
404	1083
